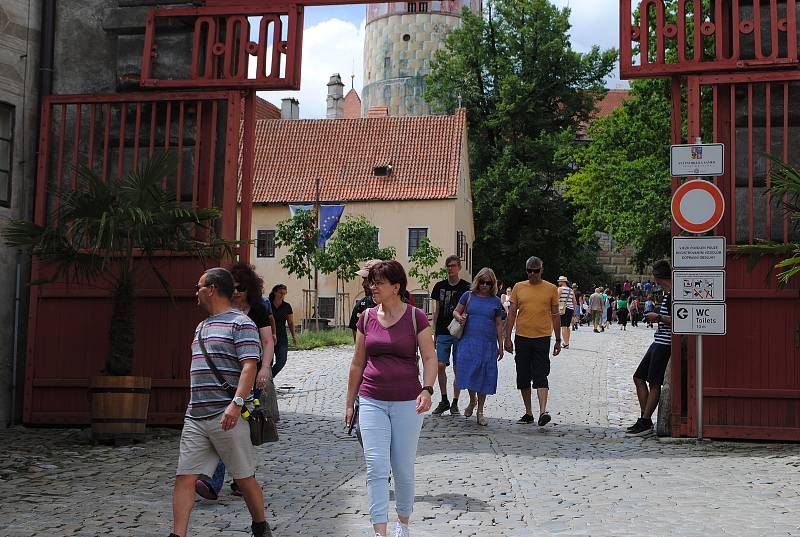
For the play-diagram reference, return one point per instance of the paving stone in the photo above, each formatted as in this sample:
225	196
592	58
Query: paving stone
580	475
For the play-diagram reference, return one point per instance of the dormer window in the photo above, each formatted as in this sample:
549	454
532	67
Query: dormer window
412	7
382	170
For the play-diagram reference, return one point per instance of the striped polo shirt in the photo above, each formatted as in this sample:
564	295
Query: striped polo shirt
230	339
565	297
663	335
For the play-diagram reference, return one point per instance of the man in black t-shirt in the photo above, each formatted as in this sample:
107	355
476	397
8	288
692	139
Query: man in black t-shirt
445	298
366	302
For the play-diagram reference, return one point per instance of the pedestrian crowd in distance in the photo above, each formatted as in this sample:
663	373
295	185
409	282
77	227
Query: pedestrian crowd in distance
241	346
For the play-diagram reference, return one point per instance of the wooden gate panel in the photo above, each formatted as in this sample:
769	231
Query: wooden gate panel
68	324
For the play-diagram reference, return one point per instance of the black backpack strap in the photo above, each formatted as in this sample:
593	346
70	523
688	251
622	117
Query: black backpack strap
231	390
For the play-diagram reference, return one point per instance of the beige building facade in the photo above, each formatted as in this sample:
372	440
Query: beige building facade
426	193
398	222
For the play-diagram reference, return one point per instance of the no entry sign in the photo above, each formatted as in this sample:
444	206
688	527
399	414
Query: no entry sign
697	206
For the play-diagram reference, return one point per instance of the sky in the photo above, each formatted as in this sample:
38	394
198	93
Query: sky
333	42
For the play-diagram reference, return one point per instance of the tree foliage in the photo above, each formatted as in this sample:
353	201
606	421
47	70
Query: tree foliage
352	243
100	229
526	93
623	183
299	234
424	258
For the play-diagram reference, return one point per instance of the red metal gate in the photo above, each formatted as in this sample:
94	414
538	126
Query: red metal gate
739	62
68	324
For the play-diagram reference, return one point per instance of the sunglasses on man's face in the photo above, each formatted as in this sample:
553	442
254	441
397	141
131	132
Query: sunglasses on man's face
485	282
534	270
240	288
198	286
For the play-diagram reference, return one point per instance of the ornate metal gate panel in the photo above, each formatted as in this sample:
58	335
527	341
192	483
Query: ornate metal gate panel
736	64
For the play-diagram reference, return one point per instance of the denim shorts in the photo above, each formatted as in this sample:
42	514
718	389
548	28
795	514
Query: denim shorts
445	347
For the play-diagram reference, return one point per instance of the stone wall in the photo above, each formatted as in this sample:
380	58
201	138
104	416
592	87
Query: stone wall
19	55
617	263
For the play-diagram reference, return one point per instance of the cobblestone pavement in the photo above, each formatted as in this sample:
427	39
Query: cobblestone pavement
579	475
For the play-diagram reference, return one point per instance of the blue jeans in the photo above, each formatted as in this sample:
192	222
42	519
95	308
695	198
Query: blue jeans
446	346
390	431
218	479
281	351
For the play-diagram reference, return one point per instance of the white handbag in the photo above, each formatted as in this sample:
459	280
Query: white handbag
455	328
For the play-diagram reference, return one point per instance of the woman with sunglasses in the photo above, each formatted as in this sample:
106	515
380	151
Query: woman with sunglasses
479	311
247	291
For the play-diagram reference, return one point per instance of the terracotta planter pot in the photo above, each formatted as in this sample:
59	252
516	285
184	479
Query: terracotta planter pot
119	406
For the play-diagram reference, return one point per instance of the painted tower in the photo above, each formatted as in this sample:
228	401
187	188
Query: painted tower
400	41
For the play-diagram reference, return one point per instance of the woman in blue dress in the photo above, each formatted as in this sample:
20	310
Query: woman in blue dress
481	345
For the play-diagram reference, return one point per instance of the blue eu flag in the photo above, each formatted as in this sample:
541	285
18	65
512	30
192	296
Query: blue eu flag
329	216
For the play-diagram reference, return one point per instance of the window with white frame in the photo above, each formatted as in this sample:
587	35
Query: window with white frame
414	236
265	243
6	152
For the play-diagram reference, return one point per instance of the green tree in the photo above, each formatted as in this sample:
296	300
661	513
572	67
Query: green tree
623	183
101	228
352	243
424	258
299	234
526	93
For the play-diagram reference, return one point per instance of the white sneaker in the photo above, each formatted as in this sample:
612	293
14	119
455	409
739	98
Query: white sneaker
401	530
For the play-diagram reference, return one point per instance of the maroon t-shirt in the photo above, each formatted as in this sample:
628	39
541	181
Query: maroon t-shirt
392	372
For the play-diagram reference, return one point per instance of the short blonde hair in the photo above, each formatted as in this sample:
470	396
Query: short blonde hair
485	271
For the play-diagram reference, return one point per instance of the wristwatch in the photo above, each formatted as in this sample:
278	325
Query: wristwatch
238	401
428	389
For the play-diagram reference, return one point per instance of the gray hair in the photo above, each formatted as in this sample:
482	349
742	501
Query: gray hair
533	261
222	279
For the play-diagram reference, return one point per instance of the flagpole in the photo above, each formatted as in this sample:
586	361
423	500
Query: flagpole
316	269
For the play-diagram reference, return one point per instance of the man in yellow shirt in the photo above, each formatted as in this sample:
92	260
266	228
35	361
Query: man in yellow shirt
534	310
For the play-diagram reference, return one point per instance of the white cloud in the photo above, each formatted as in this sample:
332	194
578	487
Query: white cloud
332	46
594	22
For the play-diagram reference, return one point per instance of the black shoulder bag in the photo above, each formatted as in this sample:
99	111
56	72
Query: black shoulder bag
262	425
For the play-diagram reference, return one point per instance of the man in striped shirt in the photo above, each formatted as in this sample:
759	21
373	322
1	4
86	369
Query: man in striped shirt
213	428
649	375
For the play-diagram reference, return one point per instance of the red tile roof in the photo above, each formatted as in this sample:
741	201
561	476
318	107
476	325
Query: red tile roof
266	110
424	152
613	100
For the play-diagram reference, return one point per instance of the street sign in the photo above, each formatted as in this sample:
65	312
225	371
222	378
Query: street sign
698	285
700	318
698	252
697	160
697	206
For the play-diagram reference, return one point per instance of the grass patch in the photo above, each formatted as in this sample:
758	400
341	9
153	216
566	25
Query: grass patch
327	338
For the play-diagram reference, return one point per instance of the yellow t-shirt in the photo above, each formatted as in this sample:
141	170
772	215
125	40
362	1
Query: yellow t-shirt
535	307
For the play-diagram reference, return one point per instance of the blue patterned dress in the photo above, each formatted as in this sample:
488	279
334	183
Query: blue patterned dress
476	355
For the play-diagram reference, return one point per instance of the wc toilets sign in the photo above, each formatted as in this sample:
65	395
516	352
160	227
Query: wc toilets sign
698	285
698	318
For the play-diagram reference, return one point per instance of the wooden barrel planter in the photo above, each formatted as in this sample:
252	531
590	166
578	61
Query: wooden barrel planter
119	406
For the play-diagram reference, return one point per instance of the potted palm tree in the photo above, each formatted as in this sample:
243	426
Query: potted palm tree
107	234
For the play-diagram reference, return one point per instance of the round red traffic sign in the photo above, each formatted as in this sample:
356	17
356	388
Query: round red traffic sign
697	206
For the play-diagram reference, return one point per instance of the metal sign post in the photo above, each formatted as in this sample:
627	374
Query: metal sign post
697	207
699	381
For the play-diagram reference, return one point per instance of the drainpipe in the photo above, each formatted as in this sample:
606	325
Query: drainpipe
46	60
15	361
46	51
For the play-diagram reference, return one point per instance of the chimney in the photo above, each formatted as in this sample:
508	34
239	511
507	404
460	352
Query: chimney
290	108
378	111
335	97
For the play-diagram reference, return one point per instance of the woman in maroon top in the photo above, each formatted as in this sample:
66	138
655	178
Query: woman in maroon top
385	376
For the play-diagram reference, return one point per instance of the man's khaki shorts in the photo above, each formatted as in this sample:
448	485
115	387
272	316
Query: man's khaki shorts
203	443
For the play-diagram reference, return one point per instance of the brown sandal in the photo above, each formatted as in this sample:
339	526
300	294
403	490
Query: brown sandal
469	409
482	419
